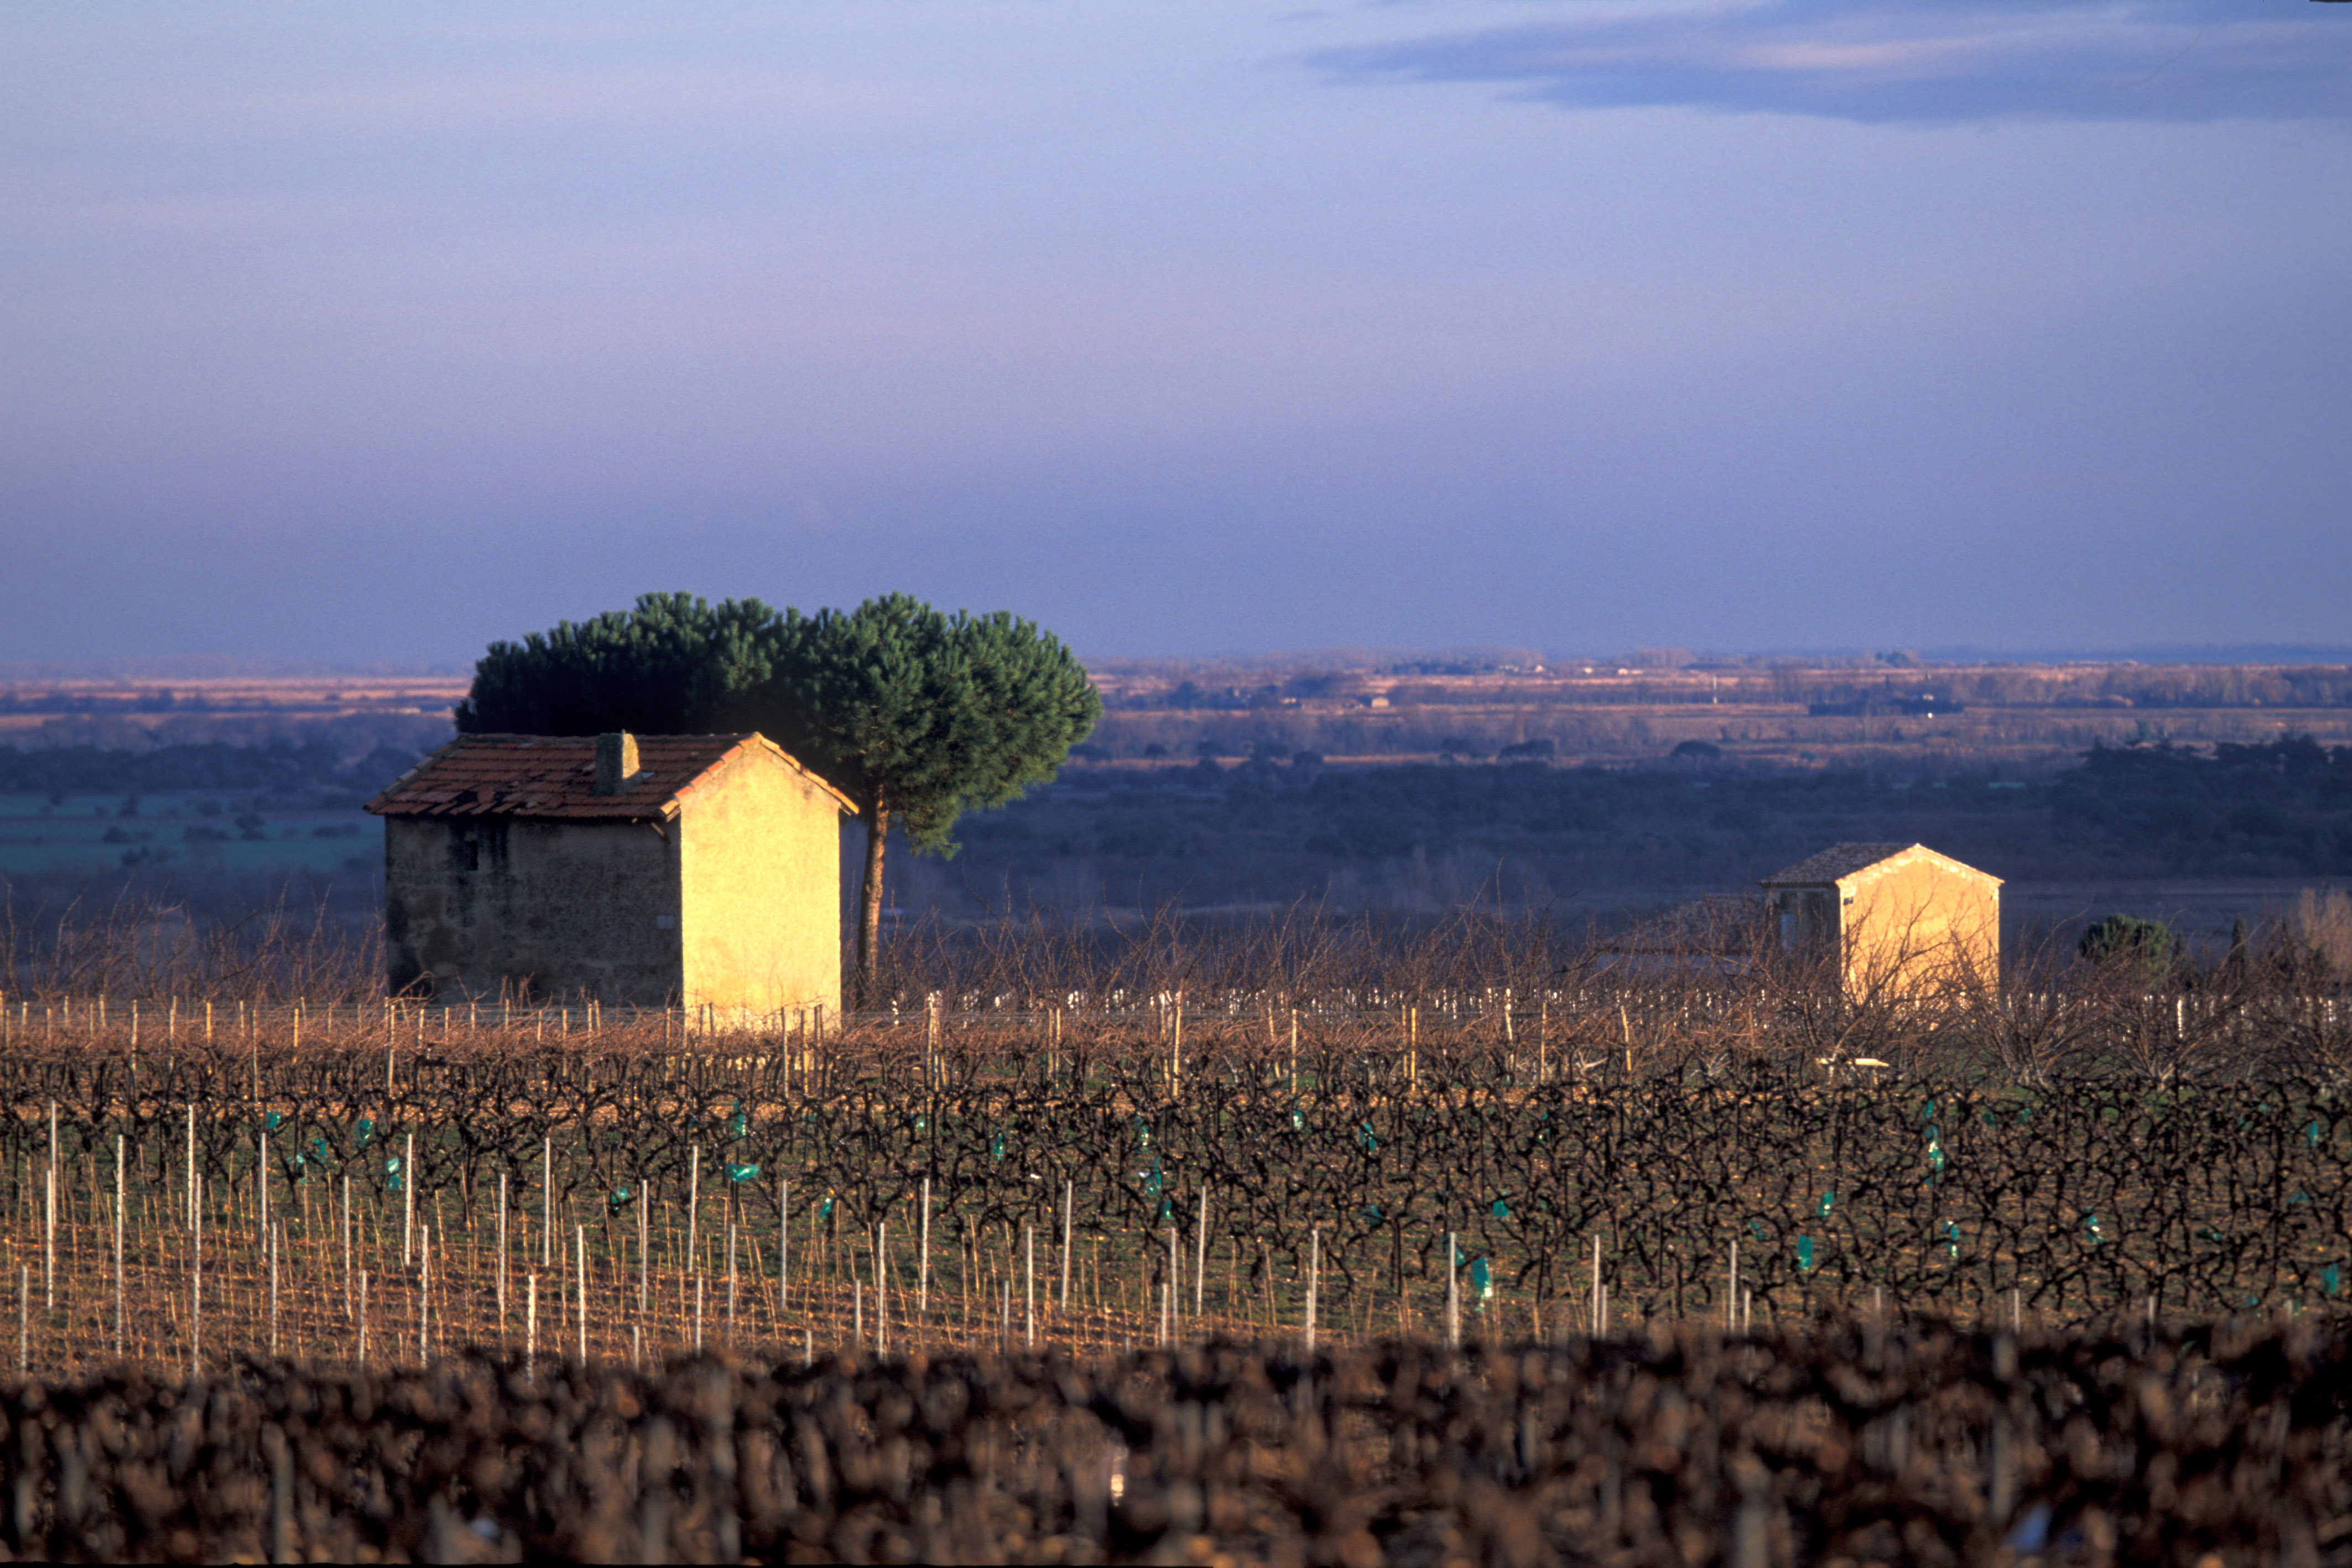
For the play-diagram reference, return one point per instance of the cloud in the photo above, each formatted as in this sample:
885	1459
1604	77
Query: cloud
1890	61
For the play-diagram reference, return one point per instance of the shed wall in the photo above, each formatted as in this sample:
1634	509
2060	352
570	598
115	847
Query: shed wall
762	890
1916	925
548	909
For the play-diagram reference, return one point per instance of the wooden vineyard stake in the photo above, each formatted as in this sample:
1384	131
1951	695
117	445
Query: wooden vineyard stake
196	1298
407	1197
118	1243
547	1198
50	1218
1314	1270
1453	1293
1201	1256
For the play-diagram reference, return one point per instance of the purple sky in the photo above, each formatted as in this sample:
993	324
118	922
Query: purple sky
369	334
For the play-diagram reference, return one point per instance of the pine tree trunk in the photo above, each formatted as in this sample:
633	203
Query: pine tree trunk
869	906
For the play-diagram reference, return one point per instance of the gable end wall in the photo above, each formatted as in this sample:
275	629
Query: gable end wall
760	874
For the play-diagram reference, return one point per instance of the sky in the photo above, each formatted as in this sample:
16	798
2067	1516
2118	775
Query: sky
366	335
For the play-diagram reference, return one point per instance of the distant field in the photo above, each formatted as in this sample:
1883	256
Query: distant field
1591	790
28	704
1929	720
193	831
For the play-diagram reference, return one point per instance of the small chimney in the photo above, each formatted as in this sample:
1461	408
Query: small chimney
616	762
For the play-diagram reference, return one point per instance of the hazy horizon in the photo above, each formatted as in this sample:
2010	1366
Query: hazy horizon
202	667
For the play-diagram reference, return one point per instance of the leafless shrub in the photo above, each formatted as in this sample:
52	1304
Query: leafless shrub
1853	1442
140	945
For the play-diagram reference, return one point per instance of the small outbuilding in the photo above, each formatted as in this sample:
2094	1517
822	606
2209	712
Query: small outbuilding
697	870
1900	917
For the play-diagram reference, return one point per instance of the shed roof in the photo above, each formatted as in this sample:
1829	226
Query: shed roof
1835	864
555	776
1712	924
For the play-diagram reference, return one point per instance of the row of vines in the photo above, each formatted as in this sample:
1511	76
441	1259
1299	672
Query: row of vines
1401	1188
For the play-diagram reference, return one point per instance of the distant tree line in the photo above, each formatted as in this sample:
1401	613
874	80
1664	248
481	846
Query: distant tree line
280	766
2290	799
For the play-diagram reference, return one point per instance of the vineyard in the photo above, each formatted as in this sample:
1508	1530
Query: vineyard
1857	1441
1619	1273
375	1184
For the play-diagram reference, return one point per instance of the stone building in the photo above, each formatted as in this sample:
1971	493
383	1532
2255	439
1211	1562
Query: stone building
700	870
1900	917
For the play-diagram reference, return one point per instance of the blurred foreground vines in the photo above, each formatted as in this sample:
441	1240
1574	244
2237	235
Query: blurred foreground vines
1855	1442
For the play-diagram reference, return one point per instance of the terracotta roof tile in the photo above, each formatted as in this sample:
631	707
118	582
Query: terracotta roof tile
1835	861
554	776
1840	860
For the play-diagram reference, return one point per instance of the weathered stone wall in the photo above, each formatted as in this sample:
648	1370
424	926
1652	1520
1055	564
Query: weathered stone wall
761	881
548	909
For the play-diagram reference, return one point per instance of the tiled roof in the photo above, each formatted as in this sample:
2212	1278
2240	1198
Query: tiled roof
1716	923
1835	861
555	776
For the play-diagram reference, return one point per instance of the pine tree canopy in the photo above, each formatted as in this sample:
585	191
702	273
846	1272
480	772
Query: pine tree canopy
915	715
671	665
